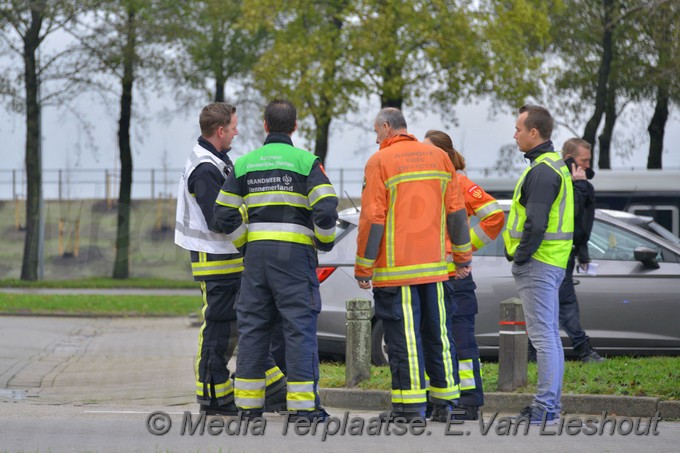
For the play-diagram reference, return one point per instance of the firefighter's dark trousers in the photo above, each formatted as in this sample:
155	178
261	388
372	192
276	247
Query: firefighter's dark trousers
419	342
463	328
216	341
279	279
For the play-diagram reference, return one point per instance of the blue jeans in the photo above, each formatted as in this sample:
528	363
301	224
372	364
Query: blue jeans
538	286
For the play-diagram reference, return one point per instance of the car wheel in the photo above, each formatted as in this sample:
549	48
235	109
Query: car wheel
379	355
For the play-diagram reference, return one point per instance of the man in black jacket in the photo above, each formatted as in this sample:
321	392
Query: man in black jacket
577	155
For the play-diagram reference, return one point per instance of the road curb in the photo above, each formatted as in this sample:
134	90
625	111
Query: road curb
669	410
628	406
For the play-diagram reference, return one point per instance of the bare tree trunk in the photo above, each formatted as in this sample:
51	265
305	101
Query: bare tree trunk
657	128
121	264
29	265
321	140
392	86
220	82
608	130
602	79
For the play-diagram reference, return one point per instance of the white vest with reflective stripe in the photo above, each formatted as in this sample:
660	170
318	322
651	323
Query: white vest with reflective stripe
191	230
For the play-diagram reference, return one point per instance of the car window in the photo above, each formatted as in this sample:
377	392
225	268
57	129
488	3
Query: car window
611	242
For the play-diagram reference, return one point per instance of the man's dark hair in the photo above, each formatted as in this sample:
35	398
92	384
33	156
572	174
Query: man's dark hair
214	116
392	116
538	118
280	116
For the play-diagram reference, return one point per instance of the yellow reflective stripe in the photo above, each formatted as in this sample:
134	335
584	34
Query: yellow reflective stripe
279	236
461	247
467	374
444	337
249	393
324	235
417	176
204	273
229	200
363	261
217	267
239	236
410	337
389	229
400	396
319	192
297	200
488	209
219	263
448	393
272	375
301	401
442	221
412	271
244	213
223	389
301	395
204	295
475	240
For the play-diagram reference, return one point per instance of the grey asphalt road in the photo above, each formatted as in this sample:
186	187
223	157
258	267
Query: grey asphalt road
93	384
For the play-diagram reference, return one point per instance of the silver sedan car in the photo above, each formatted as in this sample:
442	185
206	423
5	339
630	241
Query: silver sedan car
630	306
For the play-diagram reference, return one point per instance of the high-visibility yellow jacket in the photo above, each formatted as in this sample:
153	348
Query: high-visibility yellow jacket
556	243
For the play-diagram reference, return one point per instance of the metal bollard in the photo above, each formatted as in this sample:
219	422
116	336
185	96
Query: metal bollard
512	346
358	342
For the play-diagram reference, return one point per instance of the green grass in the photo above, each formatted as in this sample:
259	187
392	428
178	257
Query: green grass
623	376
101	305
103	282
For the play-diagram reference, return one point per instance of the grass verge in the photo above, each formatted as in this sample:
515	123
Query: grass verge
623	376
103	283
101	305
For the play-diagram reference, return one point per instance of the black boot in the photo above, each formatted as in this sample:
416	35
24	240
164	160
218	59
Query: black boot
443	412
318	415
213	408
276	402
587	354
402	417
465	412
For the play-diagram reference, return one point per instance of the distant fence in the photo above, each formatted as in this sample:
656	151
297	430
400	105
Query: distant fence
147	183
161	183
69	184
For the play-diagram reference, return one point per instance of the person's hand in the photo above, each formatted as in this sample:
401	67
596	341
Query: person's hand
463	271
583	267
578	173
364	284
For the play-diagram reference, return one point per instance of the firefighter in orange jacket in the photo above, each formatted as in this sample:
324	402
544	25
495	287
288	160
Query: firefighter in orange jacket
410	203
491	221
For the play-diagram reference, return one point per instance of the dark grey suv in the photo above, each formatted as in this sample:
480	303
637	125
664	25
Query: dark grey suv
631	306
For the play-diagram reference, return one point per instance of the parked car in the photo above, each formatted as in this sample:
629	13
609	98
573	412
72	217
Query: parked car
631	306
